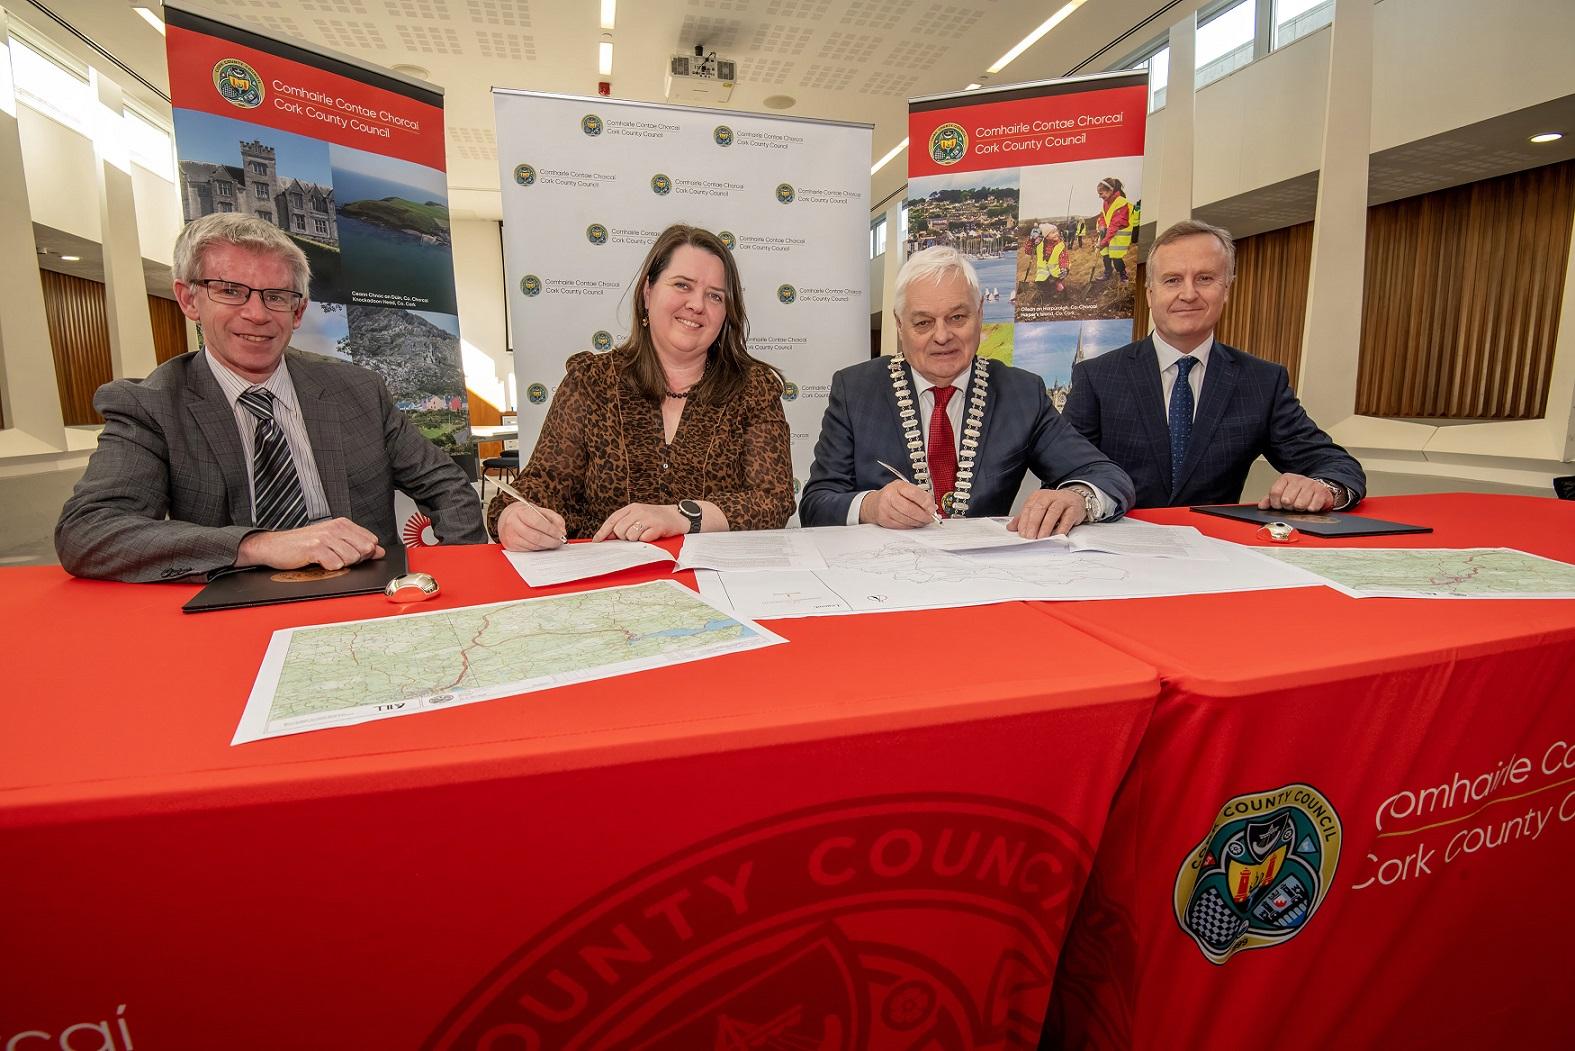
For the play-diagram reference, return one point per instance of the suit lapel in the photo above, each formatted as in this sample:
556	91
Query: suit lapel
1219	383
215	418
324	426
1143	376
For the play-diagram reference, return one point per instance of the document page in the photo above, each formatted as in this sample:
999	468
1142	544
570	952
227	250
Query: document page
581	561
777	550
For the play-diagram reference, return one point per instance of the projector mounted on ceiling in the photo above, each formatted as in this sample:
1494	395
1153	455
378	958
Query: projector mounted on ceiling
701	78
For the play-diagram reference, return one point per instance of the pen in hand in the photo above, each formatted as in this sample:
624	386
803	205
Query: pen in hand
903	478
511	491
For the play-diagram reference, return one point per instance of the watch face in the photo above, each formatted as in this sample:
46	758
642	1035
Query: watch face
689	508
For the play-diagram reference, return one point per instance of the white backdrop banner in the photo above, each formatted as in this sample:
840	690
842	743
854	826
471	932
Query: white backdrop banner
589	184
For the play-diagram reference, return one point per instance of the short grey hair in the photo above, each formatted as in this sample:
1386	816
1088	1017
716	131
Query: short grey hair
242	231
1190	228
934	264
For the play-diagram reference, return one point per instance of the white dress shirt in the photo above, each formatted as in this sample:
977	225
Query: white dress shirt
1168	356
287	413
924	391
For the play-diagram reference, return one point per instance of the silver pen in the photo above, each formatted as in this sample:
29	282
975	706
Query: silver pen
903	478
511	491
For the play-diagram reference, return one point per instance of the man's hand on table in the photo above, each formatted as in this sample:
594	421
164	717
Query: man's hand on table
1049	512
332	543
1297	492
900	505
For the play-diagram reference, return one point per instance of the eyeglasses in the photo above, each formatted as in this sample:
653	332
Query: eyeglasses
234	294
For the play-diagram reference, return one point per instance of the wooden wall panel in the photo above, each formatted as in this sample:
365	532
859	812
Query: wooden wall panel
79	336
169	328
1463	292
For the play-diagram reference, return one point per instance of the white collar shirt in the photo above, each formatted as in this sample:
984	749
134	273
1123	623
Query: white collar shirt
287	414
1167	356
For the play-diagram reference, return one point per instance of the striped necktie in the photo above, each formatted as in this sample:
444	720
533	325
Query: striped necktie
1180	418
277	500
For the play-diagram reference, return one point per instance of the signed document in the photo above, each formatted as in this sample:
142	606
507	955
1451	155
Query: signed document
582	561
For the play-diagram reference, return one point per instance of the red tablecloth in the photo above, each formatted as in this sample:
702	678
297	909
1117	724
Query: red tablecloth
871	837
1420	757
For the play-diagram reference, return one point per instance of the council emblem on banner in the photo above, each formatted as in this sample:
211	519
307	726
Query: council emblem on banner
785	192
601	339
591	124
789	390
728	240
536	393
530	285
722	135
525	175
948	144
596	234
787	294
1261	872
661	185
238	83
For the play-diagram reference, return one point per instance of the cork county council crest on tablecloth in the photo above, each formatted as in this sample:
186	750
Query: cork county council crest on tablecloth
1261	872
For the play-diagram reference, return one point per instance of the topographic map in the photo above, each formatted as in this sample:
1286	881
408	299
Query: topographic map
1396	572
338	674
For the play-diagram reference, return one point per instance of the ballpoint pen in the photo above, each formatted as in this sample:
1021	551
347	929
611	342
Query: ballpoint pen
513	493
902	478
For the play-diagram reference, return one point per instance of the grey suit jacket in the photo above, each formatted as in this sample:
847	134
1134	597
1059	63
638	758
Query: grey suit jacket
1246	409
166	494
1021	431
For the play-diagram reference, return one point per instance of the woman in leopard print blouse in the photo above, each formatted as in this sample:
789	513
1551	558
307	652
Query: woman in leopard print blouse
679	413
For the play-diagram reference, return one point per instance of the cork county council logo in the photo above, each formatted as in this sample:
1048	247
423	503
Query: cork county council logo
785	192
596	234
786	293
591	124
1260	873
661	185
722	135
601	339
832	928
789	390
948	144
530	285
536	393
238	83
525	175
728	240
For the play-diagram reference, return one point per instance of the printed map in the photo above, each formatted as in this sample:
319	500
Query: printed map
1486	572
337	674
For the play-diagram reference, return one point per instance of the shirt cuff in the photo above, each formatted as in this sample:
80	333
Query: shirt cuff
1102	503
854	506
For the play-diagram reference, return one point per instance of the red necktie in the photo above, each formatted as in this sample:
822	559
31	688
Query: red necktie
942	448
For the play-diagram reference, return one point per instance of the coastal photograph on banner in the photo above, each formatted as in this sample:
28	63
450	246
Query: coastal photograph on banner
394	226
418	355
975	213
1077	240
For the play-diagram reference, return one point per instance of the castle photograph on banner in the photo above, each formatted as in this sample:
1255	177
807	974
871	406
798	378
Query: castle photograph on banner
1040	186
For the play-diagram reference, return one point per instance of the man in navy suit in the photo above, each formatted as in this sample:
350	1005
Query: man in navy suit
1192	441
959	429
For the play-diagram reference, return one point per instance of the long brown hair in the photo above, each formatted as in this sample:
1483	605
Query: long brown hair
727	361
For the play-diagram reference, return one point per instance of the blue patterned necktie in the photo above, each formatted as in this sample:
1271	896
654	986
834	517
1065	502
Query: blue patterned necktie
1180	418
277	500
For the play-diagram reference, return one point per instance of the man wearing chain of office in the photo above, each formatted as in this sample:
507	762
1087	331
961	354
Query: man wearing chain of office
940	432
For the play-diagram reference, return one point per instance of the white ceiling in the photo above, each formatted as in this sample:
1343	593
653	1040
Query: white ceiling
853	60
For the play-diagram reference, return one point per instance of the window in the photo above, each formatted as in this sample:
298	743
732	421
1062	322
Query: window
49	87
1225	42
1294	19
321	225
257	167
878	237
300	223
223	189
261	189
902	228
265	215
226	206
149	145
318	204
1158	66
297	201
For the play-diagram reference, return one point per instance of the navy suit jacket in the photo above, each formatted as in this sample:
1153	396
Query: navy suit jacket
1246	409
1020	431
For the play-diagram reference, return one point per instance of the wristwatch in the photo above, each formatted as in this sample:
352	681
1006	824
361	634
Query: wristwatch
691	510
1090	500
1336	491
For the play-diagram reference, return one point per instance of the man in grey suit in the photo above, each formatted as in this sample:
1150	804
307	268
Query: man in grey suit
959	429
245	455
1192	440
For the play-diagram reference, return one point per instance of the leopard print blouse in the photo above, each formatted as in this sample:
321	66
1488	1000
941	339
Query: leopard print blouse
602	447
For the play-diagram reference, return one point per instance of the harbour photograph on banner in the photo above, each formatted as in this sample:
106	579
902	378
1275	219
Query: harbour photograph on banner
1040	187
